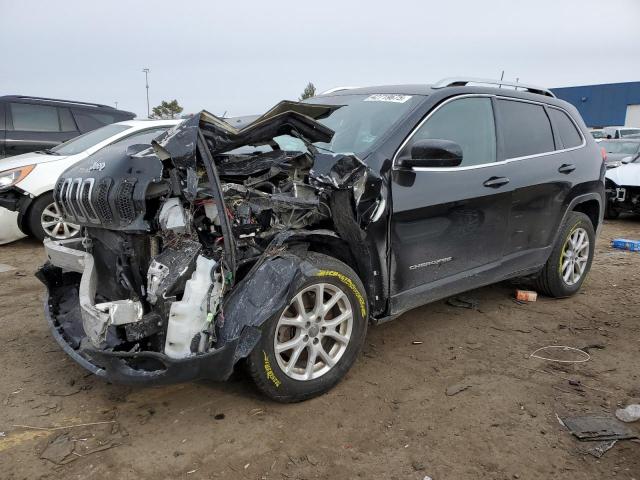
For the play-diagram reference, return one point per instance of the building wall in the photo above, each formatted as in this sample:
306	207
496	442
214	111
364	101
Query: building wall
604	105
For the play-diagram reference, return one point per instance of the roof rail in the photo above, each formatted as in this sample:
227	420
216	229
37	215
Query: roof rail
462	81
337	89
68	102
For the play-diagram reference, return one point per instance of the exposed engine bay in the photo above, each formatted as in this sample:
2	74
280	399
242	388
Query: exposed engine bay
190	245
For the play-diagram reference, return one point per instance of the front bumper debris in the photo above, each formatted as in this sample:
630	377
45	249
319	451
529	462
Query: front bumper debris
144	368
80	327
68	255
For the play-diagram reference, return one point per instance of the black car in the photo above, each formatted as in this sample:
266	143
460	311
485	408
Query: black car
278	243
28	124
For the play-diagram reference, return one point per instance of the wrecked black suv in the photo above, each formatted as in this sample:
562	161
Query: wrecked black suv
278	243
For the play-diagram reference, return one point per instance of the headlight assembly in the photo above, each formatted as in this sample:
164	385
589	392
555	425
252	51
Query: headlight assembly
8	178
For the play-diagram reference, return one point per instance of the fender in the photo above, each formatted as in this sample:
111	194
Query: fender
578	199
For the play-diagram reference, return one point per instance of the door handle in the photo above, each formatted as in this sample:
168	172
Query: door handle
566	168
496	182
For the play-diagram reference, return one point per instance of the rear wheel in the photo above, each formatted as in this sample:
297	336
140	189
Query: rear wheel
310	345
45	220
570	260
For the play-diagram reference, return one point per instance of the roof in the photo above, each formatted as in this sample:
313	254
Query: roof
149	123
59	101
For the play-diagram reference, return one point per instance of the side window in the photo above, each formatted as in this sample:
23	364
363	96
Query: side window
569	134
66	120
525	129
143	137
468	122
34	118
88	121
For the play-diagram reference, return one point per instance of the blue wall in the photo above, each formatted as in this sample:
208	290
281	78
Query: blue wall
602	105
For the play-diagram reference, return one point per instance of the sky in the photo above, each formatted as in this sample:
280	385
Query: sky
243	57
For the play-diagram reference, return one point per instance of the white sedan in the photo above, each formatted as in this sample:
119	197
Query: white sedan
27	181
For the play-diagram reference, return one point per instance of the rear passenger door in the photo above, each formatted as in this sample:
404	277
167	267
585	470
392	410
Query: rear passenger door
449	223
32	127
541	170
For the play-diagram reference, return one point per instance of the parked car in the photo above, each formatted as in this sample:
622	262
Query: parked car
27	181
28	124
384	199
620	132
621	151
623	187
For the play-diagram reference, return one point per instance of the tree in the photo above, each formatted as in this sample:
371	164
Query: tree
167	110
309	91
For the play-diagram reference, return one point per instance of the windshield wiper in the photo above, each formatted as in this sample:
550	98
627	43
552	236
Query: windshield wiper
47	151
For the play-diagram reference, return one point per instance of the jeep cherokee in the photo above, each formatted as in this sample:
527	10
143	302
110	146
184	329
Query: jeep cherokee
279	242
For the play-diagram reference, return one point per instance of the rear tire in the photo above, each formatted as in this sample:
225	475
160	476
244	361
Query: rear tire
571	258
322	339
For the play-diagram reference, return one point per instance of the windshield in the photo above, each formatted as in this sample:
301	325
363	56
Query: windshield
626	148
597	134
89	139
358	124
363	119
629	131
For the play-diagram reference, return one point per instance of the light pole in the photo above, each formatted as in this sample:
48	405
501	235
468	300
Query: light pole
146	81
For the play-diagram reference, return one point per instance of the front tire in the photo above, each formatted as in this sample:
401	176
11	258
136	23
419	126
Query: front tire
571	258
308	347
45	220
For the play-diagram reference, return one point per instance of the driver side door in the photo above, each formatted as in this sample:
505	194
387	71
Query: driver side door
449	224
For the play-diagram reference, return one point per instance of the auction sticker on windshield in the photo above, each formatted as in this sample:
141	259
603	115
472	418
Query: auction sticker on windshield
387	97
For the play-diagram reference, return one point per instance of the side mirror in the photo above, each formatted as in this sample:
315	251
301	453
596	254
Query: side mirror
433	153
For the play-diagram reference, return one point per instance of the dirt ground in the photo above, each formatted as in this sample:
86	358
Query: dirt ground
390	418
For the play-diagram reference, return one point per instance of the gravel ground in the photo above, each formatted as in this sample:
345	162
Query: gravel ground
391	416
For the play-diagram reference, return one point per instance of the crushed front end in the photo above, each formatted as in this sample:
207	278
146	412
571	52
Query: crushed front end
188	247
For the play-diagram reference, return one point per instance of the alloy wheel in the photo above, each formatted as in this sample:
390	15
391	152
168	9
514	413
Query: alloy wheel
313	332
53	224
575	256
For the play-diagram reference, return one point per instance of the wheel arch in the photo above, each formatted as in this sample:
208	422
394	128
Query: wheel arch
591	203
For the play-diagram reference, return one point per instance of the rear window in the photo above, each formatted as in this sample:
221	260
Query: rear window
526	129
34	118
567	130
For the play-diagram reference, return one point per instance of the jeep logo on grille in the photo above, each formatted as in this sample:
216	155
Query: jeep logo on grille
97	166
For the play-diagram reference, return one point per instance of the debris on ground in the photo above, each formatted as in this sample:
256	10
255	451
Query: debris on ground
560	354
6	268
463	302
631	413
593	346
597	428
626	244
455	389
598	449
526	295
59	449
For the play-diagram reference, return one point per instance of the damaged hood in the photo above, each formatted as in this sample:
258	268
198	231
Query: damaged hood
625	175
286	118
